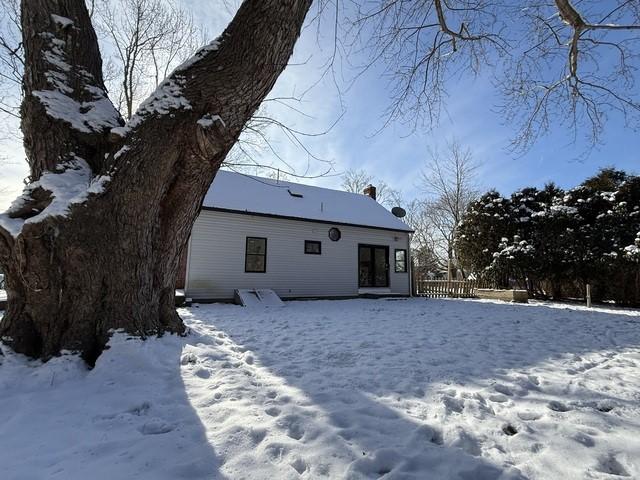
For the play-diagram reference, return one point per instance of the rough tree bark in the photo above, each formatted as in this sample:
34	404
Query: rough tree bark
108	258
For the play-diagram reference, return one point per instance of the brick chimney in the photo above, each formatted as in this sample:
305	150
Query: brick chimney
370	191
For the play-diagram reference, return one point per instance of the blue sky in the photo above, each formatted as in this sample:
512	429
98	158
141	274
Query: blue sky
393	155
397	158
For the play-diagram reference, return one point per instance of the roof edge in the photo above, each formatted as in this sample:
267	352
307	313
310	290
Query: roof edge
304	219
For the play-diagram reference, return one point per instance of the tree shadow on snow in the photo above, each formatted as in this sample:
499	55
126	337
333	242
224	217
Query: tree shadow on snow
364	370
129	417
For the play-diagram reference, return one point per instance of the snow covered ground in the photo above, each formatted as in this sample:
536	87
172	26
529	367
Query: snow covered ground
393	389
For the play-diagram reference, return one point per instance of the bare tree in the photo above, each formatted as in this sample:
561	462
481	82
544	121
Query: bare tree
148	39
356	181
557	64
94	242
449	183
141	42
11	60
424	244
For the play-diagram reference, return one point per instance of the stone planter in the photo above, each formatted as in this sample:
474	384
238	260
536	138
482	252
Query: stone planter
516	296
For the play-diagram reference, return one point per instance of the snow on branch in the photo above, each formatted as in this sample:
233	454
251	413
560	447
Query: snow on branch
94	114
168	96
199	55
632	252
72	186
63	22
86	117
209	121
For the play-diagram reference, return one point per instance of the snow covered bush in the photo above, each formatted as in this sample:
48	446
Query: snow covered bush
562	240
632	252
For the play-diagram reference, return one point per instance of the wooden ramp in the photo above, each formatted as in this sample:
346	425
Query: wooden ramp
258	298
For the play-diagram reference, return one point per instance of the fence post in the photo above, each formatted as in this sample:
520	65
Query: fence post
414	286
588	296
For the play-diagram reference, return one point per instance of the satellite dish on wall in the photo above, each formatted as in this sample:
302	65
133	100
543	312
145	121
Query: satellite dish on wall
398	212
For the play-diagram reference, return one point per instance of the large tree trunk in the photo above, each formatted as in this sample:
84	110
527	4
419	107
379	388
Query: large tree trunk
95	241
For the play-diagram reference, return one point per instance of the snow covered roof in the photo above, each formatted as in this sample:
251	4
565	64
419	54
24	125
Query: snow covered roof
265	196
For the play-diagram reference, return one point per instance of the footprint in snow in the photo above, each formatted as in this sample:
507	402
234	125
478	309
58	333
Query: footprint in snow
381	463
272	411
528	383
537	448
467	442
498	398
203	373
137	410
426	434
140	409
155	427
605	407
293	426
611	465
558	406
342	419
379	412
584	439
529	416
188	358
483	472
257	435
452	404
277	452
299	465
503	389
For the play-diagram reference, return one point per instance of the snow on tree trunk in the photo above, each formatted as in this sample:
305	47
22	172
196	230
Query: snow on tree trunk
94	242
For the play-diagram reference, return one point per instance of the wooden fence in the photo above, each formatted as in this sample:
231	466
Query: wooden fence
446	288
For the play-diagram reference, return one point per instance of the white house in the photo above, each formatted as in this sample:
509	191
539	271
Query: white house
298	240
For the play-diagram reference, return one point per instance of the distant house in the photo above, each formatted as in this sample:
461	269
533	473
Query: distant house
301	241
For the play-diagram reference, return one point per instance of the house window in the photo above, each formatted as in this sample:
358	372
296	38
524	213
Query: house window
401	261
312	247
255	259
334	234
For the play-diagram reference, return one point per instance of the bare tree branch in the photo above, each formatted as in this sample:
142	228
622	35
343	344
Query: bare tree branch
422	46
547	58
355	181
149	38
11	58
541	95
449	183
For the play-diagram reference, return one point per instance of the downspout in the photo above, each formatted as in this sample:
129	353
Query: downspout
412	283
186	273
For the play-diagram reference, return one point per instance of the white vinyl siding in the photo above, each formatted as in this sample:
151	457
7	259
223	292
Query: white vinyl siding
217	254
